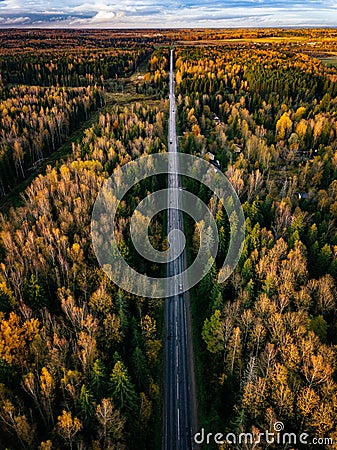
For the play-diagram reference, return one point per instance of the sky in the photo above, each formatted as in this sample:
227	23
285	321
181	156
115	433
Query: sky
166	14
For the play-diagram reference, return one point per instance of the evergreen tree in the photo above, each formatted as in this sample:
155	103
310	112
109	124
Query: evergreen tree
122	389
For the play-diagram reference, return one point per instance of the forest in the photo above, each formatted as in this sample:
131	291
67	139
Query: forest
81	361
266	338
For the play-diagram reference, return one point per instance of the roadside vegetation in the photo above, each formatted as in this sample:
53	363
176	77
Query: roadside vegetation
81	360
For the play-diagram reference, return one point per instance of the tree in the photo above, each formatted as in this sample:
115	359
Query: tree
85	404
282	395
47	386
283	127
323	419
145	410
97	377
140	369
254	397
212	333
320	327
122	390
307	401
233	350
68	427
17	422
316	370
34	294
111	423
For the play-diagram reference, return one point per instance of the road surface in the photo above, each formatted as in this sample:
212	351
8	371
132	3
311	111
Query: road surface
179	409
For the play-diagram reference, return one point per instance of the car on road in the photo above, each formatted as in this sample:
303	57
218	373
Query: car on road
180	287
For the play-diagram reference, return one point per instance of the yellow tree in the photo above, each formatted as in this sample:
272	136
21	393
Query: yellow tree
282	395
307	401
47	386
17	423
68	427
283	127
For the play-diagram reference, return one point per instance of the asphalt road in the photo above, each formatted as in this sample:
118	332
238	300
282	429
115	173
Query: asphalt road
178	403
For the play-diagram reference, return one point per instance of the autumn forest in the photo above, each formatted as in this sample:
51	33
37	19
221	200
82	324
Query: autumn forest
81	360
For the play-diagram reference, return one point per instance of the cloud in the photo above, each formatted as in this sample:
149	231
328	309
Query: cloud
172	13
13	20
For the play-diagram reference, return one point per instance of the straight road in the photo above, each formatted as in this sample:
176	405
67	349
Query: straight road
179	414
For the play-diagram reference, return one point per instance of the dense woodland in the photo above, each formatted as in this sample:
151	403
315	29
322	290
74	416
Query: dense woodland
81	360
35	121
69	68
41	104
266	338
